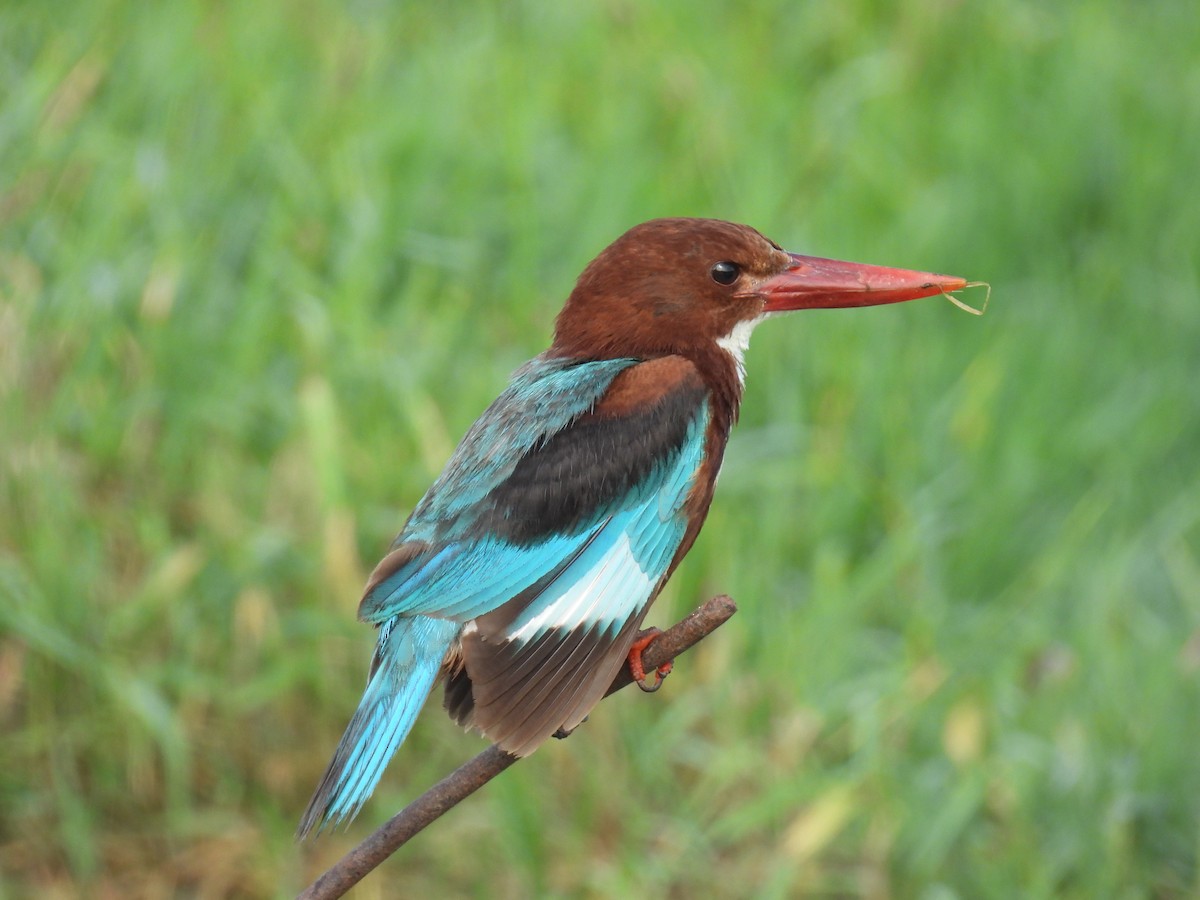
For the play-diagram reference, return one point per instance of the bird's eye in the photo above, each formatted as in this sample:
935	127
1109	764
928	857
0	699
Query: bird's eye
725	272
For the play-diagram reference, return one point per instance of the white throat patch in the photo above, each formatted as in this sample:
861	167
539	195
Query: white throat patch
736	342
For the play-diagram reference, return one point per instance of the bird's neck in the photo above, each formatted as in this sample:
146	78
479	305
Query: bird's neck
724	375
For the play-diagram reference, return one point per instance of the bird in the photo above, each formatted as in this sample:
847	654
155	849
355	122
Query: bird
521	579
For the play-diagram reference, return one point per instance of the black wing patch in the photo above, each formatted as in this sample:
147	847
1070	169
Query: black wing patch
584	469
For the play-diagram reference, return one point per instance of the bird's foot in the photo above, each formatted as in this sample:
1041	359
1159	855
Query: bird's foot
637	669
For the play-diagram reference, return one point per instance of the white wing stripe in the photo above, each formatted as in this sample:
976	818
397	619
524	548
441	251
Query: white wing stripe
610	591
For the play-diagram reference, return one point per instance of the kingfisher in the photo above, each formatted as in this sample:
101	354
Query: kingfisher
521	579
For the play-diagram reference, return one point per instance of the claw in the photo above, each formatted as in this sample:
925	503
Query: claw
563	733
636	667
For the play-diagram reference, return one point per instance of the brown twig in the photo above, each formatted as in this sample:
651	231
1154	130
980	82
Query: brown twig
473	775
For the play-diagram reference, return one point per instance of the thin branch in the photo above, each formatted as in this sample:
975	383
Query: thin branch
473	775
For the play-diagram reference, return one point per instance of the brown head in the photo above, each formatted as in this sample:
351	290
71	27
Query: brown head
691	286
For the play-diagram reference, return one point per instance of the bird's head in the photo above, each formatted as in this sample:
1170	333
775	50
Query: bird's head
688	286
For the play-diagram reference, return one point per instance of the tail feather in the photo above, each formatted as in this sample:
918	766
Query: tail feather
407	660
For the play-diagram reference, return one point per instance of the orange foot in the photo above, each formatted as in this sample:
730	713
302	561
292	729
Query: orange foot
637	669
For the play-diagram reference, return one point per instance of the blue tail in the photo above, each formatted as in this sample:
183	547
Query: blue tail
407	659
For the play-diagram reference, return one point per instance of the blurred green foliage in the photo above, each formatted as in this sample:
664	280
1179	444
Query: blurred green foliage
261	264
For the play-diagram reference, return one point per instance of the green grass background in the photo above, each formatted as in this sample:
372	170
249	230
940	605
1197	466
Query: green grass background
261	264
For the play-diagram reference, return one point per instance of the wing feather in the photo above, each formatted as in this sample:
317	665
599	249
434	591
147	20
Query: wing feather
551	568
540	662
